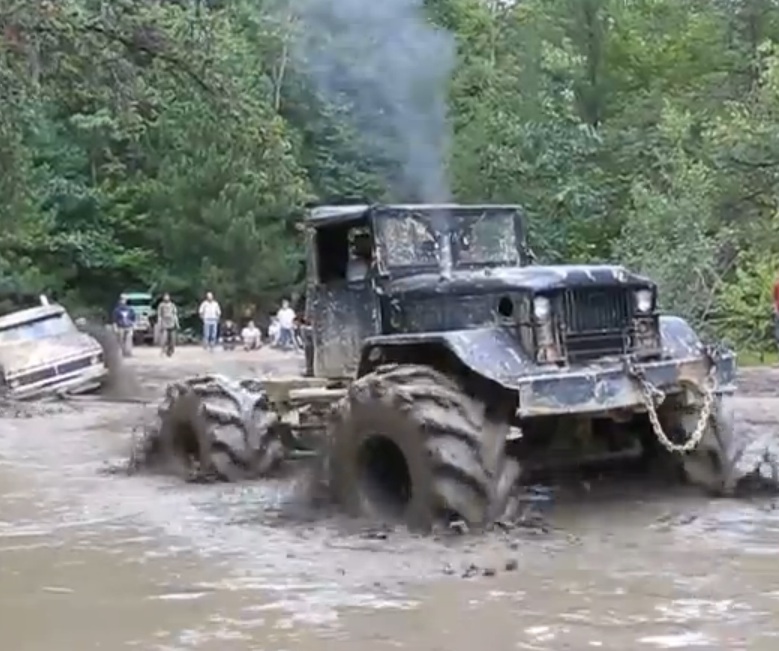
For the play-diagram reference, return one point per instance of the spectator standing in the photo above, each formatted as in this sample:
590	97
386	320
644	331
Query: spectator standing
286	319
251	336
123	319
210	313
168	323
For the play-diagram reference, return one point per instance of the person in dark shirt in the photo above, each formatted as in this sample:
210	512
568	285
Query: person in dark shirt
229	335
124	323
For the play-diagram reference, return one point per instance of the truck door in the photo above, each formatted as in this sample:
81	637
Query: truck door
344	308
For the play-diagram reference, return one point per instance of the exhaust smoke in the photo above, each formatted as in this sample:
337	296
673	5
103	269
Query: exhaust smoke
387	68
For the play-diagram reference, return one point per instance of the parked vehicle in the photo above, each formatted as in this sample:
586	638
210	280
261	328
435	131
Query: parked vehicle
142	303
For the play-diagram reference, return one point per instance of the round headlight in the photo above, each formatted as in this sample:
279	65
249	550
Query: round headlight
542	308
644	300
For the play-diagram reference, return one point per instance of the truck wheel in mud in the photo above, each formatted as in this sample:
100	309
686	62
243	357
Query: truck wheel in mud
212	428
407	444
711	465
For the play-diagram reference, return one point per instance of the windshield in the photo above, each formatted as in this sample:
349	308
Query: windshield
139	301
58	324
477	237
408	240
485	239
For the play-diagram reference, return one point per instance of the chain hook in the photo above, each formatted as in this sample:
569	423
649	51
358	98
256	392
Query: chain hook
654	397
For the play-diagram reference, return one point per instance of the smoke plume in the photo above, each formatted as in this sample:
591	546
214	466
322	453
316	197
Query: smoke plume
387	68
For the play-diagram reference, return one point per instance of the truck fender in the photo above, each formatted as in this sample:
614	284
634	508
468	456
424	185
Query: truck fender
678	338
492	353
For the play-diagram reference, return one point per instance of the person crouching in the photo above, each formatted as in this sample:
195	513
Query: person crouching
251	336
229	335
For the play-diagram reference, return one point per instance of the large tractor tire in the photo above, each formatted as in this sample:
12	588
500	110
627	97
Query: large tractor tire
407	444
212	428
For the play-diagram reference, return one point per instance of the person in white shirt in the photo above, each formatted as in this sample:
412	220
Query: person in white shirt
273	331
210	313
286	318
250	336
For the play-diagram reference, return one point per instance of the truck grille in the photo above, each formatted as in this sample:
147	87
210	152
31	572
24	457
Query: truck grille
596	321
64	368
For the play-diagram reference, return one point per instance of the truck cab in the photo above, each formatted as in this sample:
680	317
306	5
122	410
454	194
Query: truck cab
413	272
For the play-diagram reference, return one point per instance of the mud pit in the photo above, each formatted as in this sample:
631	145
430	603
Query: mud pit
115	562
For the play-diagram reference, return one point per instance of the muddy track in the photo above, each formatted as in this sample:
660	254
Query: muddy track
631	568
759	382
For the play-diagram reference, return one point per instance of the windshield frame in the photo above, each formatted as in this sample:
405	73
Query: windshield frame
138	299
444	236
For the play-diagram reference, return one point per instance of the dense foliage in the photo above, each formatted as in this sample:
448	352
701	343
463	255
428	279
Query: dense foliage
173	144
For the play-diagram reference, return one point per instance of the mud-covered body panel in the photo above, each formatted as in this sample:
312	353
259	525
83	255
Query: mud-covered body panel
496	354
84	380
537	278
344	316
28	356
678	337
610	387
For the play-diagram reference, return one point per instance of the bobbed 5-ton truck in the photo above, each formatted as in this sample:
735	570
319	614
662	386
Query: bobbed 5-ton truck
445	368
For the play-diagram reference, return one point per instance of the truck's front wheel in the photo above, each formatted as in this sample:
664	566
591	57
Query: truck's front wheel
408	444
712	465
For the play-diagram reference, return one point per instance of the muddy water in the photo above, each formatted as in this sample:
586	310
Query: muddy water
107	562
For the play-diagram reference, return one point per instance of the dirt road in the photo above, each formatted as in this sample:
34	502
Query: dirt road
110	562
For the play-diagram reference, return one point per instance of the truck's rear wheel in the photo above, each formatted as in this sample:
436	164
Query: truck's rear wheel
213	428
407	444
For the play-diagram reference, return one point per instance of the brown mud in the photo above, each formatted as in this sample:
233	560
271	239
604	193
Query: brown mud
89	560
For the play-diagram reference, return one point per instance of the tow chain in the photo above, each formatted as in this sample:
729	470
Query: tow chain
654	397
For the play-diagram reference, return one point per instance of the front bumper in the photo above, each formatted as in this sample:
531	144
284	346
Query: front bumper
600	388
81	381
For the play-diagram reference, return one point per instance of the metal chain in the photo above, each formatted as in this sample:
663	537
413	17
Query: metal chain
654	397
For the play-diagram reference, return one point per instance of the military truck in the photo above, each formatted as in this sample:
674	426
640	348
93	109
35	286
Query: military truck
444	368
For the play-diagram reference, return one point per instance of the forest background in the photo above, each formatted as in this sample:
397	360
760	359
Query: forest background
174	144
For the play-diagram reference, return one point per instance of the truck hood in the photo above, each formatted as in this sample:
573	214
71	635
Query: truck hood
533	278
31	355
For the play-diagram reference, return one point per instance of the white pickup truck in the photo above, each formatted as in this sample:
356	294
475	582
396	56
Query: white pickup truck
42	351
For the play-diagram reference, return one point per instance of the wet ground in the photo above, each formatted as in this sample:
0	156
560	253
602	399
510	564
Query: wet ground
90	561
